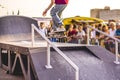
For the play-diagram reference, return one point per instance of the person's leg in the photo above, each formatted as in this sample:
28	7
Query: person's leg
54	25
56	12
112	46
60	11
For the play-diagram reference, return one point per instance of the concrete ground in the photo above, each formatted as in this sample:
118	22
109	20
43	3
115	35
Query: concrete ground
5	76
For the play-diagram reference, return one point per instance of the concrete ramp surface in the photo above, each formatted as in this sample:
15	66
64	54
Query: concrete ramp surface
13	28
91	66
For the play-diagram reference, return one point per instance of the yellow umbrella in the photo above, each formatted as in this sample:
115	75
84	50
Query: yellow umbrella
79	19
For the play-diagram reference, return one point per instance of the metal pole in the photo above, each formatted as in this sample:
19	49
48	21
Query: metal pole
116	53
77	74
9	62
32	36
28	72
88	37
48	57
0	57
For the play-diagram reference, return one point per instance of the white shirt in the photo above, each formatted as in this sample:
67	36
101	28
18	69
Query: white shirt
93	34
112	32
44	31
82	33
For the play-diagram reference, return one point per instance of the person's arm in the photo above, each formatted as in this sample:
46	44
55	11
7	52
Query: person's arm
50	5
117	37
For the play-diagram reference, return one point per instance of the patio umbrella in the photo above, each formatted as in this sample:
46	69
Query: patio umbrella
79	20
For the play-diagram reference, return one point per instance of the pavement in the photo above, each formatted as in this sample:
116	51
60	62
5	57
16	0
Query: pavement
5	76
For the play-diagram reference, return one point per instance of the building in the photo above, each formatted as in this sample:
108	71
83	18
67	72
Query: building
106	14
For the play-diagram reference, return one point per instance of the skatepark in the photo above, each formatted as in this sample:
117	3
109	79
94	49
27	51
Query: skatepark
25	52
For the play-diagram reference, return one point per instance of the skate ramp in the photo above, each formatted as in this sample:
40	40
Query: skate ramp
91	65
14	28
94	62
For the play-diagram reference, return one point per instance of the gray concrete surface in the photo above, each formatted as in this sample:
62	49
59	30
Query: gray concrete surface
5	76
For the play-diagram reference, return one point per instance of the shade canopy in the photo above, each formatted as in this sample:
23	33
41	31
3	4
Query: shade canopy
79	20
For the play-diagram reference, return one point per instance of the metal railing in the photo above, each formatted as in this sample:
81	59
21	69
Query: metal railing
116	42
49	43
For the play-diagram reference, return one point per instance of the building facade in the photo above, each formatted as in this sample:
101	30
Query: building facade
106	14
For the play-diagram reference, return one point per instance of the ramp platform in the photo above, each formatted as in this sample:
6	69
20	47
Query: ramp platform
18	56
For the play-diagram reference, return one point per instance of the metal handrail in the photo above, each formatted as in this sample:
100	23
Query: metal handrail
116	42
104	34
57	49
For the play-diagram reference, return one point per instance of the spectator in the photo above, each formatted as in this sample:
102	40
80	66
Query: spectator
93	37
99	27
117	35
72	35
81	34
85	27
110	43
69	32
112	29
42	28
117	32
102	37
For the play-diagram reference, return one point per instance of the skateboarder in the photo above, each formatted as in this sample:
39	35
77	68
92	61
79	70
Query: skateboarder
56	11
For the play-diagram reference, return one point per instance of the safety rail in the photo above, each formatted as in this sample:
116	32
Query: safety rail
49	43
116	42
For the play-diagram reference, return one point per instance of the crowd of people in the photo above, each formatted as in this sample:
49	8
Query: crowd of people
77	33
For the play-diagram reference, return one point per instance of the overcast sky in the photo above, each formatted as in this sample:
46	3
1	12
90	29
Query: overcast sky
34	8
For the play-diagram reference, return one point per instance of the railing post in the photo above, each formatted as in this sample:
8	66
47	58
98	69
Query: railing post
0	57
28	71
88	36
33	40
9	61
48	66
116	53
77	74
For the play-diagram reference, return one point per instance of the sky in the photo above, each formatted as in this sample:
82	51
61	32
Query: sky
34	8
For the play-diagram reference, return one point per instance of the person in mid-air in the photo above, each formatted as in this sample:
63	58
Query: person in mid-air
56	11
